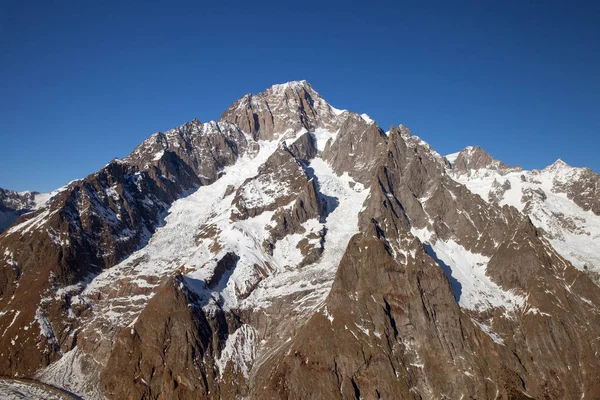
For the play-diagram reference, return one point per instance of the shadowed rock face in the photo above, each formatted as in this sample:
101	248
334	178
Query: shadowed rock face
294	251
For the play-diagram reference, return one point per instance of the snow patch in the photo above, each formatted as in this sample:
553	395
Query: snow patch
337	112
366	118
240	350
473	289
322	136
158	155
487	330
452	157
73	372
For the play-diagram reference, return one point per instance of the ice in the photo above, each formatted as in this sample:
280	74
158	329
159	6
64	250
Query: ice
175	245
287	252
336	111
240	350
44	324
13	389
495	337
11	322
326	314
322	136
573	232
75	373
366	118
452	157
158	155
245	238
32	223
42	199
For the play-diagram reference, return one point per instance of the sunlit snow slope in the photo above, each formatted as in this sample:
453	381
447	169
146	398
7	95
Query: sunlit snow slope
541	194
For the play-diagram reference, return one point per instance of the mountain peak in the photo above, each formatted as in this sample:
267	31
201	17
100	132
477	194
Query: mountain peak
474	158
280	109
291	84
291	88
558	164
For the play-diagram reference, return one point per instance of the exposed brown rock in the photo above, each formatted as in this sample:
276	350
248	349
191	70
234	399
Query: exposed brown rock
283	108
169	353
473	158
289	220
357	148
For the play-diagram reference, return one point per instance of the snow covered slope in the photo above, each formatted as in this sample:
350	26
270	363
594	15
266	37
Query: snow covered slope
544	195
179	245
12	389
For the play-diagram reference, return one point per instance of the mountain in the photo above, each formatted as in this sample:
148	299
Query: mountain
294	250
562	201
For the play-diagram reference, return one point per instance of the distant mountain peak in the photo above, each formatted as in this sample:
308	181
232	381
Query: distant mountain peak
474	158
559	164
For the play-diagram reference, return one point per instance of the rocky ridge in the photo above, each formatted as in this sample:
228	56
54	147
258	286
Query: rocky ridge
293	250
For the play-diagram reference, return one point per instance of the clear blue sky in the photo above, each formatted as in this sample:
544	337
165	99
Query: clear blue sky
84	82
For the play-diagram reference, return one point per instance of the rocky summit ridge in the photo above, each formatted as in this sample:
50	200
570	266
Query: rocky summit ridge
291	250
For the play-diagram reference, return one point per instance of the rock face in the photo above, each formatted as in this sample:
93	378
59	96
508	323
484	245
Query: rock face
156	353
475	158
281	109
293	250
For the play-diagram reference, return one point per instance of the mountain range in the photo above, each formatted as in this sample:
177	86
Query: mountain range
292	250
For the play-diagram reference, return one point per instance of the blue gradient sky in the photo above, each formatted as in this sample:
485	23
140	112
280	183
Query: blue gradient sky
83	82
